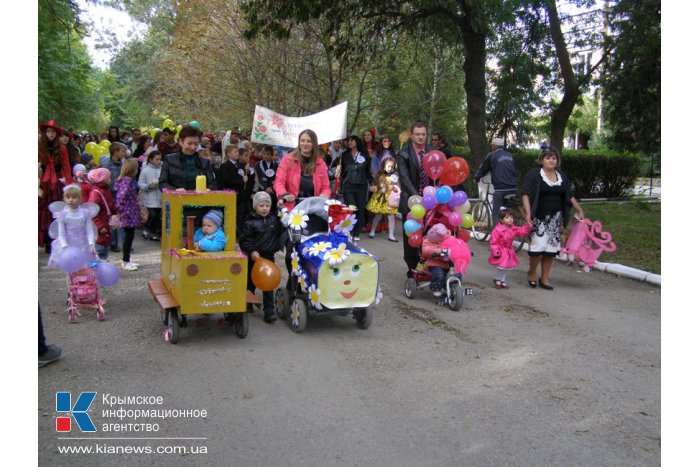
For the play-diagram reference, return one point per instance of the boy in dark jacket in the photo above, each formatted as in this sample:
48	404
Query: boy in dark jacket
260	238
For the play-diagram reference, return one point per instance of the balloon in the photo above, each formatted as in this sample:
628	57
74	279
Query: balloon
416	239
467	221
456	171
429	201
464	208
415	199
417	211
455	218
167	123
458	198
443	194
105	143
429	190
153	134
434	164
195	124
107	274
463	235
101	151
90	148
72	259
265	275
410	226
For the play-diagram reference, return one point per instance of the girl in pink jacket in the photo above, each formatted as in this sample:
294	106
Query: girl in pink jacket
502	252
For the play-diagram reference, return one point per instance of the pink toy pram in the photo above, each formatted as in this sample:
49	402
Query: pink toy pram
587	241
83	290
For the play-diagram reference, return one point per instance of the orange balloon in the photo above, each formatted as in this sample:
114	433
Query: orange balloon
265	275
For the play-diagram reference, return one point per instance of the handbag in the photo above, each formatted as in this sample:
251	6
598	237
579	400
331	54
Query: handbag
114	220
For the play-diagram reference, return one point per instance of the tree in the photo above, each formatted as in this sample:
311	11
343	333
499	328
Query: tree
633	81
456	21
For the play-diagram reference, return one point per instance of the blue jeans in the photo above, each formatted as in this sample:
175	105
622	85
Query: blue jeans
436	284
102	251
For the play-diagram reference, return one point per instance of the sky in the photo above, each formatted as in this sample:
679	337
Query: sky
107	19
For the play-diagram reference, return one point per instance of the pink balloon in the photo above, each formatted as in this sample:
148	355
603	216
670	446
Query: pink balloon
434	164
429	190
455	219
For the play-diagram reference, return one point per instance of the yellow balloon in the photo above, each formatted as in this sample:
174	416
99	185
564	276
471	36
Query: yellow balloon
418	211
90	148
467	221
101	151
168	123
153	133
105	143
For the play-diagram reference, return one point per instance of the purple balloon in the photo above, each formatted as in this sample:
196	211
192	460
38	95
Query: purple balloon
455	219
107	274
72	259
458	199
429	201
429	190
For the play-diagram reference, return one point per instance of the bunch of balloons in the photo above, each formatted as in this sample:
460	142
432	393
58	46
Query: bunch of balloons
97	150
446	172
72	259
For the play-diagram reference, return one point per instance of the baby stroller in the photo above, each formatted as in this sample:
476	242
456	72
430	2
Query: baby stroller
454	249
83	290
329	274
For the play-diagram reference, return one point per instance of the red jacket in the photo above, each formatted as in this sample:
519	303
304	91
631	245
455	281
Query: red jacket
289	175
101	220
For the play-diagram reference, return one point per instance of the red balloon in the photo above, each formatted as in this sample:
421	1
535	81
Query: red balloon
416	239
434	164
265	275
456	171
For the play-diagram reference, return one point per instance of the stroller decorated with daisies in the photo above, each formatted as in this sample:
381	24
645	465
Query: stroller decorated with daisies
329	273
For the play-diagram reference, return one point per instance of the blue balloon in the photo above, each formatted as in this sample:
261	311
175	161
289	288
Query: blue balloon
443	194
72	259
429	202
410	226
107	274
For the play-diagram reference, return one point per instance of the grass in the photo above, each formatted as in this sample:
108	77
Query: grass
636	230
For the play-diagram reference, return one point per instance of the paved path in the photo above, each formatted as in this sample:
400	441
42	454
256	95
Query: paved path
518	377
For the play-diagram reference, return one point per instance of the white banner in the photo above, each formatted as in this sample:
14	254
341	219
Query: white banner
272	128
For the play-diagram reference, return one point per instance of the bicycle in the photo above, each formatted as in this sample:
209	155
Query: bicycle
483	221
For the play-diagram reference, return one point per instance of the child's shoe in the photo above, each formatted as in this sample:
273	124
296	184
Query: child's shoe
129	266
270	316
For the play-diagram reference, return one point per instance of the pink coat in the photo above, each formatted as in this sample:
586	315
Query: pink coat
427	250
289	175
502	252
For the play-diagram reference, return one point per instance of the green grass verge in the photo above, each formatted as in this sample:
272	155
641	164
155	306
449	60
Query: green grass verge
636	230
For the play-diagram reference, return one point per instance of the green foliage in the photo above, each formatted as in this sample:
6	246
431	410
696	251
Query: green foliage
67	81
633	82
593	174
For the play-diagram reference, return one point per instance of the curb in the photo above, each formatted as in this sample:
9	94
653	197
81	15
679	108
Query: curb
618	269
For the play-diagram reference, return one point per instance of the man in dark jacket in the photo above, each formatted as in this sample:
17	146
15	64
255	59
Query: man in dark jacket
413	178
502	167
179	171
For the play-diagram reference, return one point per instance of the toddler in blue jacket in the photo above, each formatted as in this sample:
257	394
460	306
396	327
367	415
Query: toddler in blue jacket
210	237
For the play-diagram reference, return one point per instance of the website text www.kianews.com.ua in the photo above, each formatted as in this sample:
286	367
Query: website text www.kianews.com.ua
103	448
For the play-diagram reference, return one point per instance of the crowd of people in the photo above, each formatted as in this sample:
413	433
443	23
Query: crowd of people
367	173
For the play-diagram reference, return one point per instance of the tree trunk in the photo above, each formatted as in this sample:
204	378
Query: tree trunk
433	93
475	87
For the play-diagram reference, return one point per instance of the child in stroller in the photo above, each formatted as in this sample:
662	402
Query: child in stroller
328	273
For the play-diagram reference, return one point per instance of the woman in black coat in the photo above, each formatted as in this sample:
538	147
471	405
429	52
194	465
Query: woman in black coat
355	173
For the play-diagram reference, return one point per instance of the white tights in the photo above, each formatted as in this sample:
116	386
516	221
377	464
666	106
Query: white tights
392	223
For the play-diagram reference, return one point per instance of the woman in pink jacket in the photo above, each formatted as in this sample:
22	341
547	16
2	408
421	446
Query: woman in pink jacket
502	251
302	173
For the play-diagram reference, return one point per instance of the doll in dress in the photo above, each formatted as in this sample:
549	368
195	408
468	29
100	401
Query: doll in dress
73	224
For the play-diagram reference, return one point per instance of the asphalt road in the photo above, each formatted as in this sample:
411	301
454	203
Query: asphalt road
522	376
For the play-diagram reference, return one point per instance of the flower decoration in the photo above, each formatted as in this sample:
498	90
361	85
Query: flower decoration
298	219
277	120
305	251
303	281
295	263
318	248
337	255
329	202
294	315
284	213
315	296
346	225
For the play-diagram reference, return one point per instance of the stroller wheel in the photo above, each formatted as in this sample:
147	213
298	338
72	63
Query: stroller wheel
240	325
363	318
173	326
100	315
282	303
298	315
455	294
411	287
